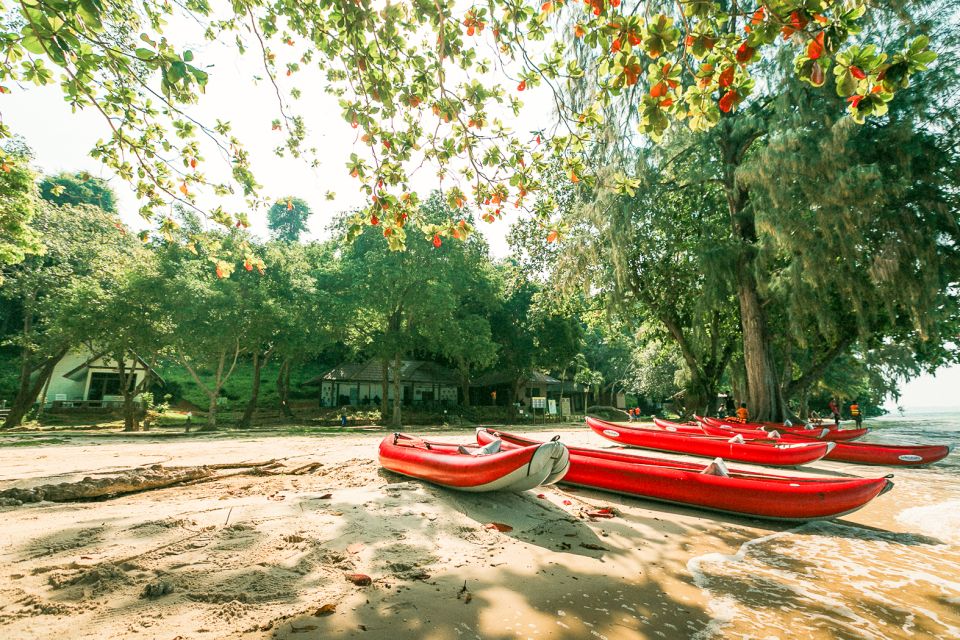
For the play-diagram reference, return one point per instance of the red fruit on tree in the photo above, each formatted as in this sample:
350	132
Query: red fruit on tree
436	241
816	74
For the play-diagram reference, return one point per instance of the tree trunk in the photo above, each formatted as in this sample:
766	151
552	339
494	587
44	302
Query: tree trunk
247	417
465	385
384	388
27	393
764	398
212	413
130	422
398	367
43	398
283	388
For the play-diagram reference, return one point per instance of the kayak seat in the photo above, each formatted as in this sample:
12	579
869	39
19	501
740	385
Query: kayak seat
737	439
717	468
485	450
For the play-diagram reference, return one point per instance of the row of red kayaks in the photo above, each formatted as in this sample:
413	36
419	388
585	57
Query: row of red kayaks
502	461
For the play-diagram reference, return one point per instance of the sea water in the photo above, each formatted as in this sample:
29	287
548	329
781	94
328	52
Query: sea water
889	571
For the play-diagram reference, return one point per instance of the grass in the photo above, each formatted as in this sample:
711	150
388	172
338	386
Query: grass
236	391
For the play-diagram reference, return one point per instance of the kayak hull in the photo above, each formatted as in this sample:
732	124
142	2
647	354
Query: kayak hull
443	464
819	433
789	454
760	495
868	452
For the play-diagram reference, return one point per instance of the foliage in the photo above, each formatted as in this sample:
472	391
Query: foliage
78	188
287	219
394	69
18	204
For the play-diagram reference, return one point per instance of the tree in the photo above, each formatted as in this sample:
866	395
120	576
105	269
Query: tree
125	322
742	212
689	61
83	247
208	318
421	297
18	205
78	188
287	219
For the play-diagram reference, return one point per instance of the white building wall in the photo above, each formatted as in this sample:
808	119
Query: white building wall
77	388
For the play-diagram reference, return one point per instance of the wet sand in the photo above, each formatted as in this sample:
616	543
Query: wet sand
251	556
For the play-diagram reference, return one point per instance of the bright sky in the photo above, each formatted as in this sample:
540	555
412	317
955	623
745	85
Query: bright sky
62	140
927	392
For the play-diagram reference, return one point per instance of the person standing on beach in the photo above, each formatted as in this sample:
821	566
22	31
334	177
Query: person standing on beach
835	410
856	414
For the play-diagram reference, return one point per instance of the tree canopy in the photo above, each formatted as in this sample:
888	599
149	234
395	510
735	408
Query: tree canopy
435	83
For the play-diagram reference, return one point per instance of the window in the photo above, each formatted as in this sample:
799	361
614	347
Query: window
106	383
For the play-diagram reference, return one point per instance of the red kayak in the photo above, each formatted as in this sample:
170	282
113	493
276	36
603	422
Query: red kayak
472	468
783	454
760	495
865	452
817	433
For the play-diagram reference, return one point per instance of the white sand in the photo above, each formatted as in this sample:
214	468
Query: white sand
256	557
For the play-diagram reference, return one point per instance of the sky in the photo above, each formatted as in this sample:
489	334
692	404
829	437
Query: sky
62	139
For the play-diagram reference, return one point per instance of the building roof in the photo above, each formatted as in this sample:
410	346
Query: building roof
372	371
502	377
80	370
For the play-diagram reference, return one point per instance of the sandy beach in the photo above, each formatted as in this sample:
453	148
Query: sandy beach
268	556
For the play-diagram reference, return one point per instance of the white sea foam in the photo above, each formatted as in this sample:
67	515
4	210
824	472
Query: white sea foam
828	576
941	521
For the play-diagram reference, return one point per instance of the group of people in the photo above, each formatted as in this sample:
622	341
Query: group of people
742	414
634	414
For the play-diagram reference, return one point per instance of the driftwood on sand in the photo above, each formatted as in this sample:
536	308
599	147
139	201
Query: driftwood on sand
142	479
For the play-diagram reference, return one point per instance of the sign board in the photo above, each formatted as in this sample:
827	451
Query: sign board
552	406
538	402
564	406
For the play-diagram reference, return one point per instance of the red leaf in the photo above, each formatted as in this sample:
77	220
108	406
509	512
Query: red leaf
522	85
499	526
857	73
436	241
745	53
726	76
815	48
658	90
727	101
854	100
359	579
552	237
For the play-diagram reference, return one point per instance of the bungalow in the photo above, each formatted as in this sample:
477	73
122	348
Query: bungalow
361	384
498	388
84	379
